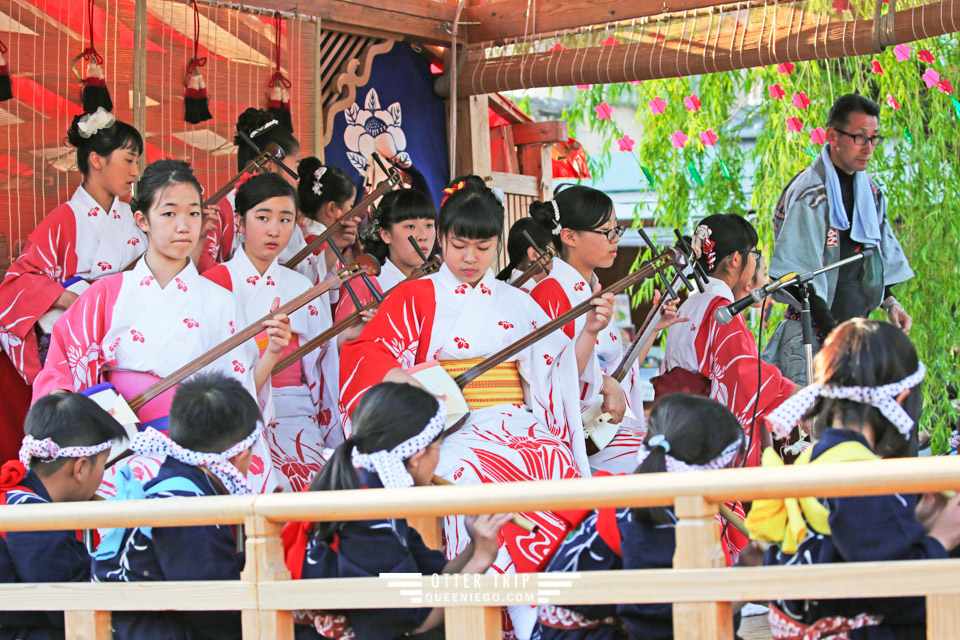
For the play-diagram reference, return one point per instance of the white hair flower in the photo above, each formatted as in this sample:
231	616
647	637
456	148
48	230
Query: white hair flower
317	187
92	123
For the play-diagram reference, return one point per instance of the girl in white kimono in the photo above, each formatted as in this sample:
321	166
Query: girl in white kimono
521	253
525	415
135	327
585	233
402	214
305	418
325	194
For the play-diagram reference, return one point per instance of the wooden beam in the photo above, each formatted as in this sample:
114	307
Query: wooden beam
472	624
516	184
772	34
546	132
473	138
508	19
503	150
536	160
943	617
87	625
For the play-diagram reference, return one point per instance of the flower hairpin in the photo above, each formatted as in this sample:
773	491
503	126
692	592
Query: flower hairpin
449	191
317	175
93	123
268	125
703	245
556	217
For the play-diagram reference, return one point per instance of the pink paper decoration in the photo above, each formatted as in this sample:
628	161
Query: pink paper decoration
692	102
800	100
709	138
841	5
603	111
786	68
679	139
818	136
776	91
892	102
945	86
877	68
902	51
558	47
931	78
794	124
925	56
657	105
609	41
636	82
626	143
583	87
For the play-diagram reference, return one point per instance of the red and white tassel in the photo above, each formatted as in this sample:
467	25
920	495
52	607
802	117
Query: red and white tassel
279	104
95	93
196	101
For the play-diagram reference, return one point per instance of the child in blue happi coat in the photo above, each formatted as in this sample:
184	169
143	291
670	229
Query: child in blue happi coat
396	443
864	405
61	460
685	433
213	425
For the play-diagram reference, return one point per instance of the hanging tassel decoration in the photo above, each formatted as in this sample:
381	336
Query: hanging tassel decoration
6	88
196	101
279	96
94	93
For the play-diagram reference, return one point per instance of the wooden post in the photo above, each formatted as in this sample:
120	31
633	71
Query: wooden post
943	617
698	547
430	529
472	623
473	137
537	160
87	625
264	563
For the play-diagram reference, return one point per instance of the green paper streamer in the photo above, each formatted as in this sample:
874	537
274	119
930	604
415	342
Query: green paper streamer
956	105
812	153
726	172
906	134
649	176
692	168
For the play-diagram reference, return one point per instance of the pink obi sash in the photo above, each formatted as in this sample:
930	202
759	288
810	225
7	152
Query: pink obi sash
131	383
292	376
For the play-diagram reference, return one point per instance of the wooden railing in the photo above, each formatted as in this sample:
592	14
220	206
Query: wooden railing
698	584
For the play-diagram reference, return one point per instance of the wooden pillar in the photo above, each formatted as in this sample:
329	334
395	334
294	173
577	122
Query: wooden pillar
698	547
537	160
472	153
472	623
264	563
87	625
430	529
943	617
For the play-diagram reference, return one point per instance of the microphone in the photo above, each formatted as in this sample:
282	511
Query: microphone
723	315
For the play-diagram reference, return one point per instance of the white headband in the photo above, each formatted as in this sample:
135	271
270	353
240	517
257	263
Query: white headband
317	175
153	442
674	465
883	398
48	450
556	216
389	464
269	125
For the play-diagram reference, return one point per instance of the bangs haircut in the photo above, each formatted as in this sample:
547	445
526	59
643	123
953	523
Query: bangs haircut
471	213
157	177
261	187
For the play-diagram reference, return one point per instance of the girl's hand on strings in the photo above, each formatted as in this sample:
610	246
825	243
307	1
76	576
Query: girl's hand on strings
278	330
484	530
668	315
601	314
346	233
614	400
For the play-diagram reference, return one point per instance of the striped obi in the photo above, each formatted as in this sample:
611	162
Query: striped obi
500	385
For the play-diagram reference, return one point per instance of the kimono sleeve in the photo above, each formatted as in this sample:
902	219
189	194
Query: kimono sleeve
76	350
896	269
800	242
32	283
392	339
430	561
551	297
879	528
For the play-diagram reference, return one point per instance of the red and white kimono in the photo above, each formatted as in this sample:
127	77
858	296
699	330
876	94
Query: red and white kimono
727	356
305	394
226	237
559	292
440	318
127	322
77	238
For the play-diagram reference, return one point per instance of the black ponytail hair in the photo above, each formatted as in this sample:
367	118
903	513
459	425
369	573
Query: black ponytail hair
387	414
730	233
119	135
865	353
159	175
334	186
581	209
697	430
262	187
471	212
255	123
517	244
396	206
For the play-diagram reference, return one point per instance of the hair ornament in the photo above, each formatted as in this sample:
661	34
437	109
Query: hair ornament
449	191
317	176
93	123
269	125
499	195
883	398
556	217
48	450
153	442
703	245
389	465
673	464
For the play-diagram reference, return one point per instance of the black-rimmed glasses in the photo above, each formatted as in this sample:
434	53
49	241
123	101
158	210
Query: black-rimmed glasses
611	234
861	139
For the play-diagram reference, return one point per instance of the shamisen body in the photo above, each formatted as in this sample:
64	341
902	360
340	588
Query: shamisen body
525	424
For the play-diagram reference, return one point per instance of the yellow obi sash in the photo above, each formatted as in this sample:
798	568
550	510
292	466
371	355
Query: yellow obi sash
500	385
783	521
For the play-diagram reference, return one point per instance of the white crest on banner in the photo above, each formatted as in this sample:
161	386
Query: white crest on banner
374	129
